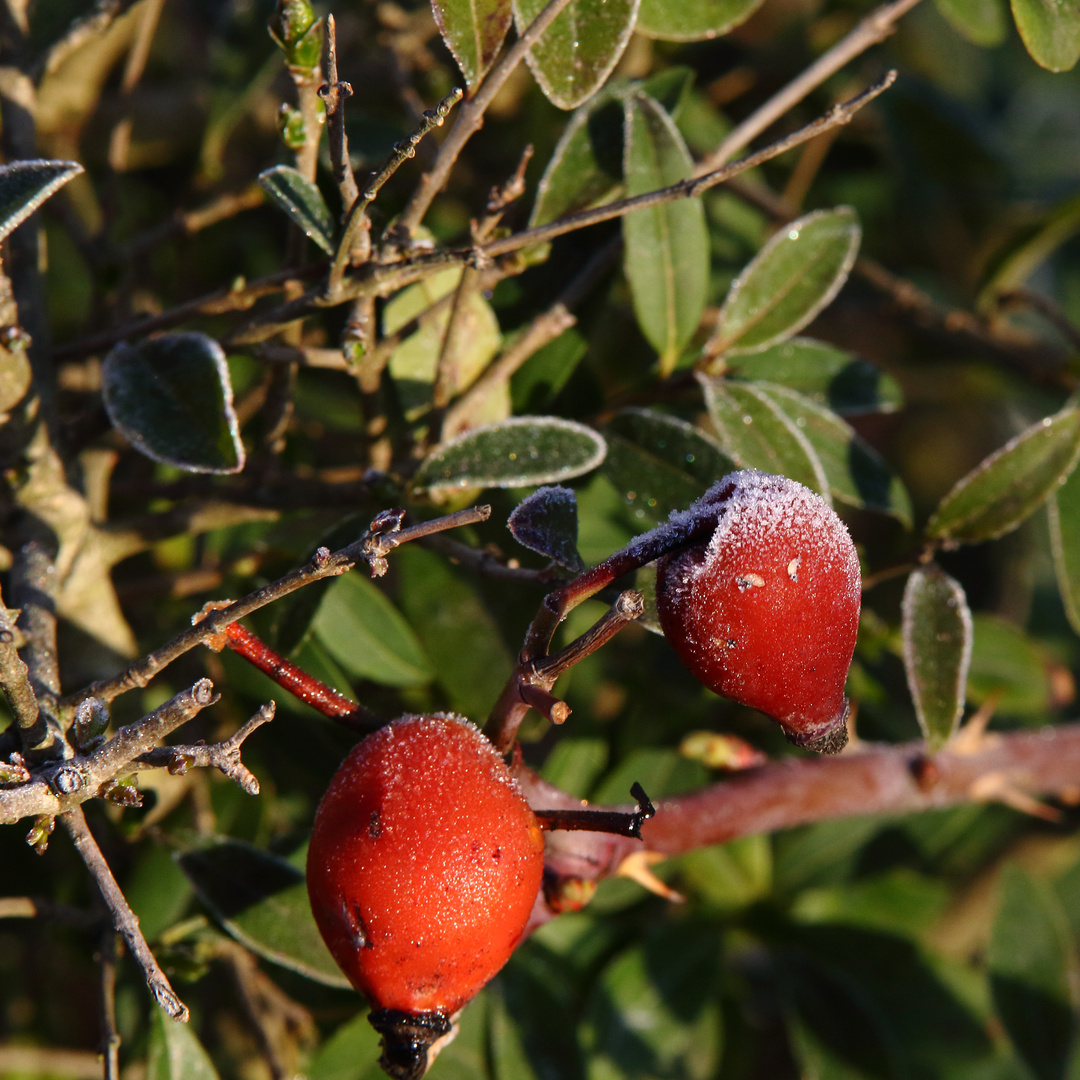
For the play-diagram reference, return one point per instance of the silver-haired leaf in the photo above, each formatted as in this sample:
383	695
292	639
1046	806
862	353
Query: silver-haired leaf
692	20
547	522
175	1052
302	201
25	185
473	31
1050	30
1064	509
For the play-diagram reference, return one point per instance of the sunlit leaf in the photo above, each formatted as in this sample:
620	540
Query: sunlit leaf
1064	507
581	47
794	276
1050	30
171	397
25	185
302	201
175	1051
350	1053
937	635
692	20
666	259
982	22
519	452
1011	484
547	522
473	31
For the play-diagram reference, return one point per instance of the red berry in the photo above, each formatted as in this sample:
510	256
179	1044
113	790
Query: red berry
424	864
766	612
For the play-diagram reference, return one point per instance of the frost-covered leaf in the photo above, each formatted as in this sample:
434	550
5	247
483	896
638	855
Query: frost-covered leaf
1050	30
302	201
581	47
25	185
1011	484
937	634
171	397
692	20
547	522
519	452
473	31
1064	507
794	276
666	257
175	1051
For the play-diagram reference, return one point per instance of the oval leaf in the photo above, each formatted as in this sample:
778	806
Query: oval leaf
757	434
171	397
581	47
261	901
547	522
845	383
1011	484
302	201
1064	508
473	31
666	257
692	20
937	635
25	185
519	452
982	22
175	1052
794	276
1050	30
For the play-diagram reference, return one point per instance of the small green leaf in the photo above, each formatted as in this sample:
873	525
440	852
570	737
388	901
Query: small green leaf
547	522
25	185
367	635
302	201
262	902
1028	962
1064	509
830	376
581	47
473	31
661	463
937	635
755	431
519	452
982	22
175	1052
171	398
794	276
1012	666
1011	484
1050	30
666	259
692	20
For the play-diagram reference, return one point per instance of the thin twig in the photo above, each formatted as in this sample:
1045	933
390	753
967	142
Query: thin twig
334	94
15	681
120	140
124	919
39	907
110	1037
85	27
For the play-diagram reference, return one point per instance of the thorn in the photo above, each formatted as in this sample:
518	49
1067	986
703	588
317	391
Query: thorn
972	737
996	787
636	868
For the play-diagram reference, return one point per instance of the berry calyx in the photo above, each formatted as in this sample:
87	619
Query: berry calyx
766	611
424	864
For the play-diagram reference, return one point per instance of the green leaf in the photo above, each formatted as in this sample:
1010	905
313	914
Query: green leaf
937	633
262	902
547	522
351	1053
1064	510
367	636
666	258
982	22
661	463
519	452
574	765
473	31
855	471
794	276
1028	962
175	1052
830	376
25	185
1050	30
302	201
1011	484
692	20
581	47
755	431
1013	666
729	877
171	398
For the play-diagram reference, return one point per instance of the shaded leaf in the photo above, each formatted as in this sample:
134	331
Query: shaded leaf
692	20
755	431
581	47
1050	30
350	1053
1012	665
547	522
25	185
175	1051
302	201
473	31
666	257
575	764
830	376
1011	484
1064	508
794	276
171	397
937	634
1029	978
731	876
368	636
262	902
982	22
519	452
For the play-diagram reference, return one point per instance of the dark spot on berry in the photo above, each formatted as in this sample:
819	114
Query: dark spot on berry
374	825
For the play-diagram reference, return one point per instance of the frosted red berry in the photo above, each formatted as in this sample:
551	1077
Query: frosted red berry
766	611
424	864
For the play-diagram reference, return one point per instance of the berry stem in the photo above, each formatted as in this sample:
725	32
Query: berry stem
615	822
